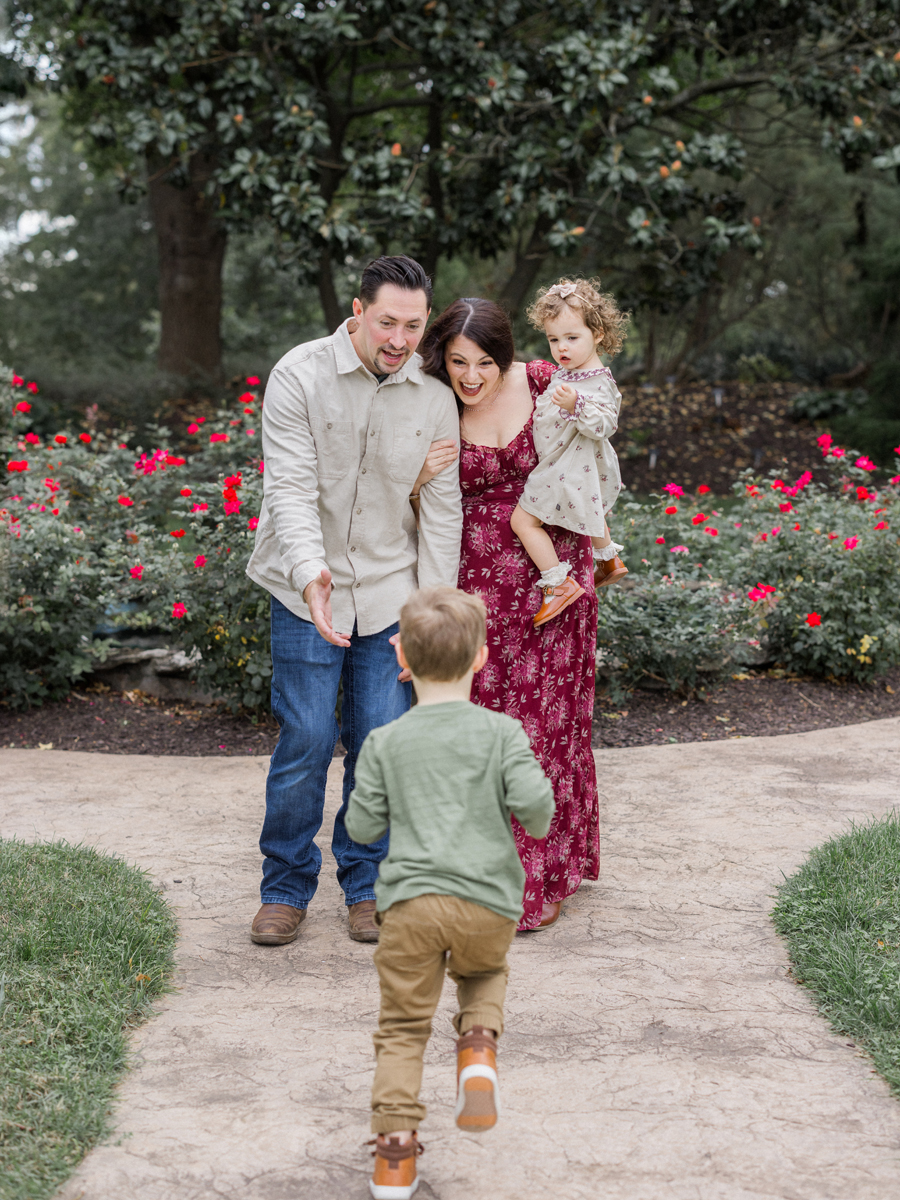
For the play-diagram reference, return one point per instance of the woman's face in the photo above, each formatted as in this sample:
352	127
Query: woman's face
473	374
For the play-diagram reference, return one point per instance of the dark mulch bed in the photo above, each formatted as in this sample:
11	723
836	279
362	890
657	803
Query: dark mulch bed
697	442
108	722
755	704
763	704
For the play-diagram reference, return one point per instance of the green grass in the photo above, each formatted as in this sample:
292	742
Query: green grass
86	944
840	915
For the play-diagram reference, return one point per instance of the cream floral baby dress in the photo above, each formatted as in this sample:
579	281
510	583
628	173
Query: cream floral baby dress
577	479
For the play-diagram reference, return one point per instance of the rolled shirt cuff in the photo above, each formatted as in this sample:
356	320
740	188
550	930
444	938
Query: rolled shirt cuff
302	575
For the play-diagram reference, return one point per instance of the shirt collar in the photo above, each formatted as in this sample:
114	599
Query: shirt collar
347	360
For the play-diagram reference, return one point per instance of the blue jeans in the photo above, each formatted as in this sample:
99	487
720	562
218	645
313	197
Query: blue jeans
306	671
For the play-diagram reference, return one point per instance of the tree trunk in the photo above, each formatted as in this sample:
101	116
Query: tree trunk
331	308
191	251
528	263
435	187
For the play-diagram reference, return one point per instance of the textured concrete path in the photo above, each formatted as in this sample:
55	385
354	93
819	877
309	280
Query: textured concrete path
656	1047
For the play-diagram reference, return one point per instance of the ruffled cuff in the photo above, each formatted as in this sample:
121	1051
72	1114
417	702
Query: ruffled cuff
577	411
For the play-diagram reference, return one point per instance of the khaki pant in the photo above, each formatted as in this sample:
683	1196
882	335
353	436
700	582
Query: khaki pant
418	938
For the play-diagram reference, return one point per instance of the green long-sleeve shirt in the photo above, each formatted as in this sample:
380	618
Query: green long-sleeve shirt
445	779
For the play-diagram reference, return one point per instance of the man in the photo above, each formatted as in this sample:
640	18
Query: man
347	422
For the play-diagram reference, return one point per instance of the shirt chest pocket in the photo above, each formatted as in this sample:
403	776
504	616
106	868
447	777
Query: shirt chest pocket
409	445
334	447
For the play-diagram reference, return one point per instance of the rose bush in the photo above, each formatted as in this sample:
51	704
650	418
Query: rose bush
100	533
816	564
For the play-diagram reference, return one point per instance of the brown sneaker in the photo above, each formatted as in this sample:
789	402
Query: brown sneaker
556	599
362	921
276	924
477	1086
394	1174
608	572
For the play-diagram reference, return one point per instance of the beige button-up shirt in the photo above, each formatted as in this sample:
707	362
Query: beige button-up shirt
341	453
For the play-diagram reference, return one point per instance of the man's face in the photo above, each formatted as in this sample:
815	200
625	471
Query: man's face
390	328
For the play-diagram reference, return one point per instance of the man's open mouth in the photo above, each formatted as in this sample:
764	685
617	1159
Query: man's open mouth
393	358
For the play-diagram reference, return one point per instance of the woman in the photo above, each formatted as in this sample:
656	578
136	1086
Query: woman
543	676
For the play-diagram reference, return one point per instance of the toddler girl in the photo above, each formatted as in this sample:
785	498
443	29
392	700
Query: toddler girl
577	479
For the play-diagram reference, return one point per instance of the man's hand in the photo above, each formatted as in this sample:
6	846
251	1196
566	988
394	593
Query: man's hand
405	675
564	396
317	596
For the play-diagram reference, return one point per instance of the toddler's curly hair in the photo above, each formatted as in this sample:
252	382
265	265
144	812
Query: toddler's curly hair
599	310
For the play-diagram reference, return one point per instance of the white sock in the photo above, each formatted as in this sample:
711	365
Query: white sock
605	553
555	576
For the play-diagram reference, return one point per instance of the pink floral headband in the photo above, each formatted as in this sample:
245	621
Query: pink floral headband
563	290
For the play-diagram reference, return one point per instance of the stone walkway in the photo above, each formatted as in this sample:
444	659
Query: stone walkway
656	1048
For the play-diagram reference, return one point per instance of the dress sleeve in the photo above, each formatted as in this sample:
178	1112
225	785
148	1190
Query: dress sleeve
596	414
538	373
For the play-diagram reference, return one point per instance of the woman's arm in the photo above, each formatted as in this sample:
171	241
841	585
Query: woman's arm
441	455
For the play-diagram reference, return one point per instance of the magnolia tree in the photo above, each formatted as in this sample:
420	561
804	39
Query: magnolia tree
453	126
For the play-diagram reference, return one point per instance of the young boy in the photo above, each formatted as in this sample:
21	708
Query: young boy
445	779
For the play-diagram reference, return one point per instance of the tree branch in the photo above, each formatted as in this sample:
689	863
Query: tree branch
730	83
366	109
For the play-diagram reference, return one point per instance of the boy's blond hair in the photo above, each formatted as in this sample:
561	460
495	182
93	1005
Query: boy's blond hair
598	310
441	631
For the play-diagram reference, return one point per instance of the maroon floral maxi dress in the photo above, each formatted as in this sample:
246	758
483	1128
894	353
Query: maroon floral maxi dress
545	676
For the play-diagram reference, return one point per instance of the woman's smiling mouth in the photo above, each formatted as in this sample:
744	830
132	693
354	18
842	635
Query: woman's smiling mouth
470	389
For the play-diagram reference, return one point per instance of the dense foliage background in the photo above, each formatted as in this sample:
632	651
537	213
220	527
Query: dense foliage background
729	167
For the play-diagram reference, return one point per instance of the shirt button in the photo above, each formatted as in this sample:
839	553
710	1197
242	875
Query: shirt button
352	549
328	426
358	511
418	433
357	585
363	471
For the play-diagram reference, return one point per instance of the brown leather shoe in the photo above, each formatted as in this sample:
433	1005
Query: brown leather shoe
550	913
394	1174
362	921
608	572
276	924
556	599
477	1088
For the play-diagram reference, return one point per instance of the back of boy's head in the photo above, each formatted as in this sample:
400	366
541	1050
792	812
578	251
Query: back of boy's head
441	631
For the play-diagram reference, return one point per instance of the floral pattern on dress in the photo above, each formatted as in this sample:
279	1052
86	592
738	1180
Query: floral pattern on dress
544	677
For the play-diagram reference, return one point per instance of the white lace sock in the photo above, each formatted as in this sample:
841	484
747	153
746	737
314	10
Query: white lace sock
605	553
555	576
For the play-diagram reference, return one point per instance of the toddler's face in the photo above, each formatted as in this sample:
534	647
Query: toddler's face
572	344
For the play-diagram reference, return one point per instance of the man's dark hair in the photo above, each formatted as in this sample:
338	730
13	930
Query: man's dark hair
397	269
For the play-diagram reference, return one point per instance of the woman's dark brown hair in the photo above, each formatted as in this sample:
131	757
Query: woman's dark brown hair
482	322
